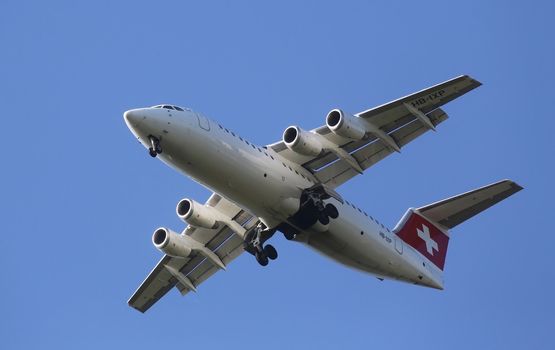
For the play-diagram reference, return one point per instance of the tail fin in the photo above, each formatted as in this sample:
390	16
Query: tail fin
426	229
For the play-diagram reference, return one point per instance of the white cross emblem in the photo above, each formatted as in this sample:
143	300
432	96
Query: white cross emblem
425	236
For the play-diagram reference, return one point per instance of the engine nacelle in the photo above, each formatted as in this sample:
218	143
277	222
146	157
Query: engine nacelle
302	142
171	243
196	214
345	125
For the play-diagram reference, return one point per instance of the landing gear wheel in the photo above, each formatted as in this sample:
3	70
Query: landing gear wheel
261	258
289	236
324	219
155	147
254	244
331	211
270	252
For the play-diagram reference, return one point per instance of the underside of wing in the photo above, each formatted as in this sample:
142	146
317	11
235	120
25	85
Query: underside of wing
188	273
387	128
334	172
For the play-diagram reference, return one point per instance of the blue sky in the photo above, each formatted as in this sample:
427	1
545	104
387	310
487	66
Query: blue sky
80	197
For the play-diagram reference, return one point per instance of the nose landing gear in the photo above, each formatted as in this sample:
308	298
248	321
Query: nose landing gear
155	148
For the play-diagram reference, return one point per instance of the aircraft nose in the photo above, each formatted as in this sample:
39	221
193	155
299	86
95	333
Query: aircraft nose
132	118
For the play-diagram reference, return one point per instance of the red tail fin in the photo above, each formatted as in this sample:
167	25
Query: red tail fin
424	236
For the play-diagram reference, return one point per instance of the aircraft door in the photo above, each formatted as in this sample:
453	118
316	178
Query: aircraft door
203	122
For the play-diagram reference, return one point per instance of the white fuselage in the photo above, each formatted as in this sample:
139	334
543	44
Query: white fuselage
267	185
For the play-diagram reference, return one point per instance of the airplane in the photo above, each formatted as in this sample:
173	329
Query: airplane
290	186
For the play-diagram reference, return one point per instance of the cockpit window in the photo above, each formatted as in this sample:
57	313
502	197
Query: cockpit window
177	108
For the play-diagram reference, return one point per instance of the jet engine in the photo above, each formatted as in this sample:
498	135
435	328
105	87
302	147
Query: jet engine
345	125
171	243
196	214
302	142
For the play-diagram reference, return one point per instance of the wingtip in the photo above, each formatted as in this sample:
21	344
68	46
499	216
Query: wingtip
517	187
135	308
514	186
474	82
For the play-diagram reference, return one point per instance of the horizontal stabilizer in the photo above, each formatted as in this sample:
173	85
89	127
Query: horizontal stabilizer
452	211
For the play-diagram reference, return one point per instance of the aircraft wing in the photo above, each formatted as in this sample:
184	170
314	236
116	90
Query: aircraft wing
187	274
395	124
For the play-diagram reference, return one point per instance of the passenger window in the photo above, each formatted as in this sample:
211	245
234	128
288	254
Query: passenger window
271	157
227	131
232	133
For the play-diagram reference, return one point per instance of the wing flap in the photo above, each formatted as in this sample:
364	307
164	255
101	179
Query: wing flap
425	100
387	118
230	250
223	242
340	171
403	136
155	286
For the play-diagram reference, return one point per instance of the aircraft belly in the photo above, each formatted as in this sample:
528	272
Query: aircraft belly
356	241
243	177
342	242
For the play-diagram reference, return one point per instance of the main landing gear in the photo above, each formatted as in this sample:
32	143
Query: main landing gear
254	244
155	148
313	209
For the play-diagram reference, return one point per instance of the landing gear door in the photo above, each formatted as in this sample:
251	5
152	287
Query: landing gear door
203	122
